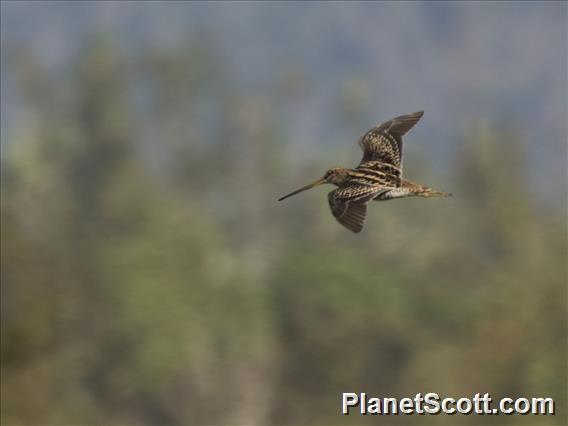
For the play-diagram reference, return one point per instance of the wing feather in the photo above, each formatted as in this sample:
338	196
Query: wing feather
349	205
384	142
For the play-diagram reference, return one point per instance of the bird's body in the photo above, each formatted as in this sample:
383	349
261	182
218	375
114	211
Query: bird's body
378	177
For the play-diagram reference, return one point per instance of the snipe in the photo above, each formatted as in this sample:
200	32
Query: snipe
378	177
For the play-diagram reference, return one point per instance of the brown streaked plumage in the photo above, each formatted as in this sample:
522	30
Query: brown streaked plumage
378	177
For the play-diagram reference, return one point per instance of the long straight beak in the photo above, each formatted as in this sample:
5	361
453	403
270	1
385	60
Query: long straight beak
304	188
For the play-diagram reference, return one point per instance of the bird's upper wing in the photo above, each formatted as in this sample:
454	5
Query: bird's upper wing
383	143
349	204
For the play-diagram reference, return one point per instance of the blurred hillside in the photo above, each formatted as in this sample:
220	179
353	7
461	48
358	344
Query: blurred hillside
149	276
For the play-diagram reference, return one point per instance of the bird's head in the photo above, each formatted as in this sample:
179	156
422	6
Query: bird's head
335	176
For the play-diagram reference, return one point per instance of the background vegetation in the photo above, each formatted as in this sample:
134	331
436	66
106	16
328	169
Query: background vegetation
150	277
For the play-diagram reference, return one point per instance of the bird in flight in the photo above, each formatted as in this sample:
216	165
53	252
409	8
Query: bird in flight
378	177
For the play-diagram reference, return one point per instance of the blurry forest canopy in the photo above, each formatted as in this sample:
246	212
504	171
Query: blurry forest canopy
149	276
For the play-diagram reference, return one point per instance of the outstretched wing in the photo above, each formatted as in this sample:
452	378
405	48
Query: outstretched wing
349	204
383	143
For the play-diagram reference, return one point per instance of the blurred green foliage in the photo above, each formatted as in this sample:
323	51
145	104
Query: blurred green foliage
150	277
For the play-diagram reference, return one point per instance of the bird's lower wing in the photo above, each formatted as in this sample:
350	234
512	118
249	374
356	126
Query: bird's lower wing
349	205
353	216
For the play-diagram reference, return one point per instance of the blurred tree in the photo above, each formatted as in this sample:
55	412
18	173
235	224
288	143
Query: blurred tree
178	292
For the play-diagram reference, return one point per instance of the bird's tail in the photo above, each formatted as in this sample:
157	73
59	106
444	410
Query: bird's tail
434	193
